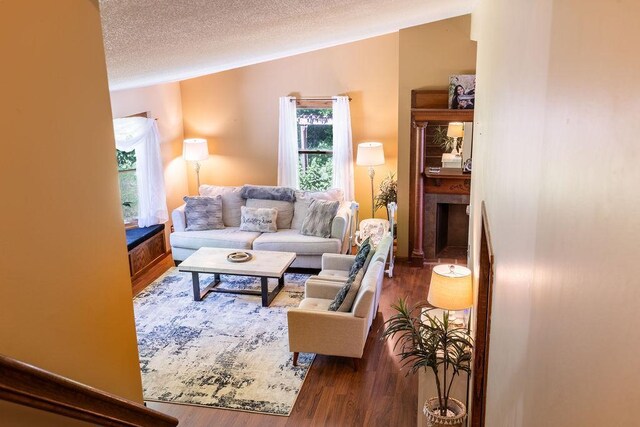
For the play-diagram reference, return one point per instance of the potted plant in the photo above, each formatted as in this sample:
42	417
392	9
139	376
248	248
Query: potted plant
388	193
427	341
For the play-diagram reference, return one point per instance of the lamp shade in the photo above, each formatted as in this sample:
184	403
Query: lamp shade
455	130
370	154
450	287
195	149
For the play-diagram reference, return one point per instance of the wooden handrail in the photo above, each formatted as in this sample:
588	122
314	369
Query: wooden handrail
34	387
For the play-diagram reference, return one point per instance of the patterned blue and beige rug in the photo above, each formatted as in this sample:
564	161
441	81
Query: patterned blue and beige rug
226	351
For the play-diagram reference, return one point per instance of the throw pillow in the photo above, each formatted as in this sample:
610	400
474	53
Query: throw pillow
258	219
203	213
285	210
319	217
266	192
231	202
304	198
361	256
342	294
347	303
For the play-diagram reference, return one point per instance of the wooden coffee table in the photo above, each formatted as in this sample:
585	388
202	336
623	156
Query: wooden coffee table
264	264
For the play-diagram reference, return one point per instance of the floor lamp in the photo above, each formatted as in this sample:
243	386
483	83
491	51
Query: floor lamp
195	150
370	154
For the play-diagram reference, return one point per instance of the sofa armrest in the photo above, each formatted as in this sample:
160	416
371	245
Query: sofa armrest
324	289
179	219
340	222
337	261
326	332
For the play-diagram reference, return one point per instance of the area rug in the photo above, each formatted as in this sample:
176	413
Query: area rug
226	351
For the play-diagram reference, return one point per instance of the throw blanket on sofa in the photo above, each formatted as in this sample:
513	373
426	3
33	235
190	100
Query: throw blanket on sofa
268	193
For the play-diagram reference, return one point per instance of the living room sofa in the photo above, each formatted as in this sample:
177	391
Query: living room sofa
287	238
313	328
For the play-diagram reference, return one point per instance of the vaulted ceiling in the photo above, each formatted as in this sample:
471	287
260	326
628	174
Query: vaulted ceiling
155	41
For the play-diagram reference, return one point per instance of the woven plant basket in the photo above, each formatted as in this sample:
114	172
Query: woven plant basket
434	419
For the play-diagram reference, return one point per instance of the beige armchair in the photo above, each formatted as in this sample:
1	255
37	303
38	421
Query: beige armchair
315	329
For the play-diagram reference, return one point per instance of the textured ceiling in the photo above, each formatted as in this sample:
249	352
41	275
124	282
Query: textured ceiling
155	41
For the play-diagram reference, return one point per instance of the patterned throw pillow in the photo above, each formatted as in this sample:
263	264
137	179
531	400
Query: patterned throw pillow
342	294
361	256
203	213
319	217
258	219
349	299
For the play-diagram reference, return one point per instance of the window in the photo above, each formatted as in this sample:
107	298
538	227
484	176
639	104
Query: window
315	148
128	185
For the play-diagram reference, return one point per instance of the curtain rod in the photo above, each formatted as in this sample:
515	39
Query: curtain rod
316	99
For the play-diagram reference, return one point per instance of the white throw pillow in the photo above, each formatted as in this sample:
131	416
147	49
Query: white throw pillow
285	210
263	220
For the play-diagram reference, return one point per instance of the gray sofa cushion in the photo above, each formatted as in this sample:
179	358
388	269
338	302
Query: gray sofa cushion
293	241
285	210
304	198
259	219
230	237
203	213
232	201
319	218
268	193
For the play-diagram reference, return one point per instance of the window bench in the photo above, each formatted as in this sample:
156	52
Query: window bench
146	246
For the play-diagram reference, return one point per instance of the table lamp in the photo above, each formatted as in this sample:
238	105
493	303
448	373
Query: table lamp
370	154
195	150
450	288
455	130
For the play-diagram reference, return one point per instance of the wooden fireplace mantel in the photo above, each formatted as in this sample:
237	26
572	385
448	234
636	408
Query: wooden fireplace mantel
430	106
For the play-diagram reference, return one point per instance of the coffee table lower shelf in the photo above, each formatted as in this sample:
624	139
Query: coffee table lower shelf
267	296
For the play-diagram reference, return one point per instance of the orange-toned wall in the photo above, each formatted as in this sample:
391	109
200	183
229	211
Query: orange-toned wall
429	54
237	110
65	293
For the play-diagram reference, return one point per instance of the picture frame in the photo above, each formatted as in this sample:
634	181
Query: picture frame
462	92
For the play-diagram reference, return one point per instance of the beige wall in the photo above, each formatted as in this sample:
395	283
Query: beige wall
162	102
237	110
556	160
429	54
65	294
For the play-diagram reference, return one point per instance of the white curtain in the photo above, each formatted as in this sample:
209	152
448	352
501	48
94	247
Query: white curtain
288	143
141	134
342	147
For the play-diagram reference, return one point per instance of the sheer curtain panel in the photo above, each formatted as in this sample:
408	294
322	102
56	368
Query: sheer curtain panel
342	147
141	134
288	143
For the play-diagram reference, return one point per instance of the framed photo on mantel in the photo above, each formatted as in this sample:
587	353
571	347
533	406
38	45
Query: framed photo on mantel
462	92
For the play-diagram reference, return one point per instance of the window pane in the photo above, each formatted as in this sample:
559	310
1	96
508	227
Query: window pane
129	194
315	171
315	128
128	184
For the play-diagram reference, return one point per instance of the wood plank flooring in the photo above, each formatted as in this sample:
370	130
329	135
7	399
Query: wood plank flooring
378	394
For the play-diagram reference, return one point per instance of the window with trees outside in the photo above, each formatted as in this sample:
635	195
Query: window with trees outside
128	185
315	148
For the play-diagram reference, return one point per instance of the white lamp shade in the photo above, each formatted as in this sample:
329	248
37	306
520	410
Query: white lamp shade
455	130
195	149
370	154
450	287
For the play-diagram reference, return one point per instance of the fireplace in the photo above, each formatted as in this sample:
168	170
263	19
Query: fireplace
446	226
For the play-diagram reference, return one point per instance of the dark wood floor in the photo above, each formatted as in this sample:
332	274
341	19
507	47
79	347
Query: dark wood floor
378	394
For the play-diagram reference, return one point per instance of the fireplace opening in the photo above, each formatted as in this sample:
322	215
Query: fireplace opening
452	230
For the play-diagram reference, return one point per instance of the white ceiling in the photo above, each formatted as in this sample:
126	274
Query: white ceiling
156	41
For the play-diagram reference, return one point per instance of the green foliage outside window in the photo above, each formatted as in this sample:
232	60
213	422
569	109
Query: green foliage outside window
315	170
128	184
